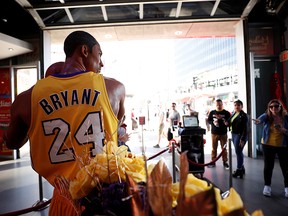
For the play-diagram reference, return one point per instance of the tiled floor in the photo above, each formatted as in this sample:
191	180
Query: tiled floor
19	188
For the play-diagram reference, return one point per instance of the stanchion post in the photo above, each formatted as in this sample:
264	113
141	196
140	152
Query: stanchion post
173	162
142	141
41	200
142	122
40	188
230	163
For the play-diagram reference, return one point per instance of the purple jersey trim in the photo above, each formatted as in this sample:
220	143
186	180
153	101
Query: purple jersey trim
68	75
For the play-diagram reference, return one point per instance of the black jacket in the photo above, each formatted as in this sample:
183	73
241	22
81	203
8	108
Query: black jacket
240	125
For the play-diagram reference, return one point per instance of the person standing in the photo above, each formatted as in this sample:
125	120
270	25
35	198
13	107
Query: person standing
123	136
174	116
217	119
206	119
161	116
188	110
238	123
167	114
274	142
174	122
134	120
67	115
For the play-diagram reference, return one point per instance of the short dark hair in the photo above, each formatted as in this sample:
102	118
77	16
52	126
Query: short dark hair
219	100
238	102
78	38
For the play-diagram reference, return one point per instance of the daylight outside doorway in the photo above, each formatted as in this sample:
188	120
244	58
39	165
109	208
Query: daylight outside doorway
188	63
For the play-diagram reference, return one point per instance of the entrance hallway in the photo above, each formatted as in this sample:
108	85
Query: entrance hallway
19	183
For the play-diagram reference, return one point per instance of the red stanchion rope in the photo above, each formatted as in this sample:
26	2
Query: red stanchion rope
44	204
206	164
163	151
159	153
191	162
27	210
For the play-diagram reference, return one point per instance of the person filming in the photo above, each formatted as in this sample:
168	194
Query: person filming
274	142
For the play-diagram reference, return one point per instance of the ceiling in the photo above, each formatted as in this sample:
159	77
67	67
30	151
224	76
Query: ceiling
11	46
155	31
127	20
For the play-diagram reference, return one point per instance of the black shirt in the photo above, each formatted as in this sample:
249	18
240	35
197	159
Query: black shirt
222	128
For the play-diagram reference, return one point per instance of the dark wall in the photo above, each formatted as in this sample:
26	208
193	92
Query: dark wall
17	22
265	41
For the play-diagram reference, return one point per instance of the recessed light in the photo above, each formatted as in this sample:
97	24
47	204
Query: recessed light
108	36
178	33
10	49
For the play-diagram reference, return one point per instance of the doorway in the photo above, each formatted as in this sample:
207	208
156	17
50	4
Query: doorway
25	78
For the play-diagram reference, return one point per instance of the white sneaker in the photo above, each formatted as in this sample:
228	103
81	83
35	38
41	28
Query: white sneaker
286	192
267	191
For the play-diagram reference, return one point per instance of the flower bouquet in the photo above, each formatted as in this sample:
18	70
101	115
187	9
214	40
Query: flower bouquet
117	182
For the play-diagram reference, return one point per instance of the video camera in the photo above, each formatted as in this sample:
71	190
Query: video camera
191	140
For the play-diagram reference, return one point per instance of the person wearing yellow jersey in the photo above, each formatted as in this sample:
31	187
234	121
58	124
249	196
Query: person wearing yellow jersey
238	123
68	115
274	141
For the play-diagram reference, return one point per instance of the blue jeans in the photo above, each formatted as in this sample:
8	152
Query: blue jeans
238	150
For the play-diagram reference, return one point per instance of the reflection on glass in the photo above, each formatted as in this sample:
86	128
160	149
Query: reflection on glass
25	79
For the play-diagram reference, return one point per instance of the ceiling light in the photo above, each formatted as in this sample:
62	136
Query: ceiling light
10	49
178	33
108	36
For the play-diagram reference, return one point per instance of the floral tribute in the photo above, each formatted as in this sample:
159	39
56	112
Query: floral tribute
117	182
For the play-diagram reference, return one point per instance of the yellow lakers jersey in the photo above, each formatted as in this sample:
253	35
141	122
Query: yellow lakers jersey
70	118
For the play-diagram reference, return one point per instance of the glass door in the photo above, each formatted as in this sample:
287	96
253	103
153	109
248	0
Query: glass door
24	78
